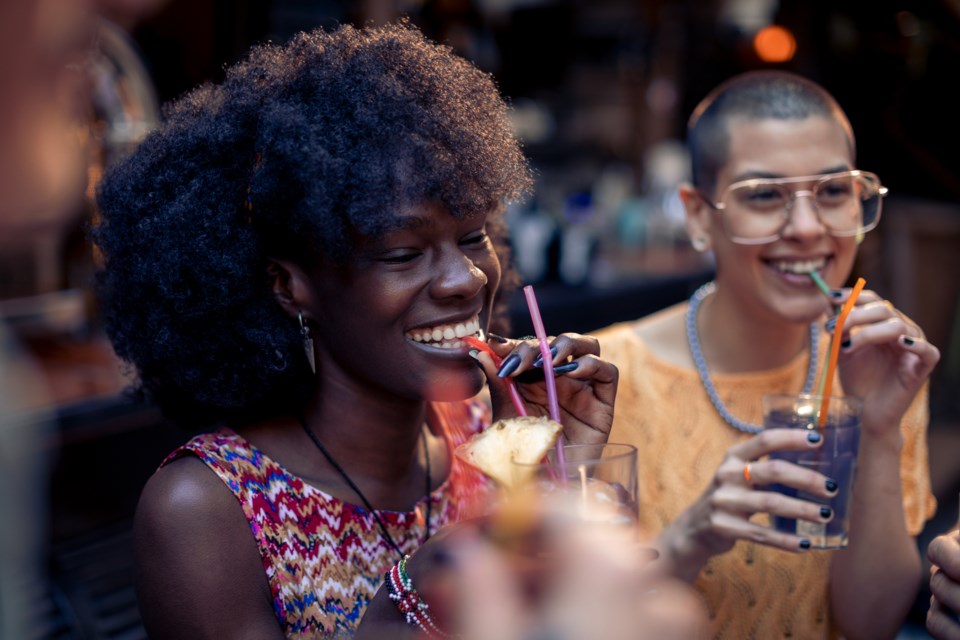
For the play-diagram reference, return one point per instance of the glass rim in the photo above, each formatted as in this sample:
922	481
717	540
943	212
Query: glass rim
849	400
622	450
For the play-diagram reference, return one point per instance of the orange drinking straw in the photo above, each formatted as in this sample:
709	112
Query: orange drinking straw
835	348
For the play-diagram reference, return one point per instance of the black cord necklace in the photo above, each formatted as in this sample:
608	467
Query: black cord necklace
363	498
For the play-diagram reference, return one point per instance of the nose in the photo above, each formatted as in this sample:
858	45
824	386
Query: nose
803	219
457	275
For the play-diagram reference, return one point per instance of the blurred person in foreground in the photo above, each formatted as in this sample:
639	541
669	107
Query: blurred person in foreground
290	263
42	178
943	618
771	152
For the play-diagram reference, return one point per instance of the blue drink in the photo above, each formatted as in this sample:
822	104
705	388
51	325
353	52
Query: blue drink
836	459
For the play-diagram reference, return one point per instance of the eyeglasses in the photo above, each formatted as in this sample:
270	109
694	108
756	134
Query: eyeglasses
757	210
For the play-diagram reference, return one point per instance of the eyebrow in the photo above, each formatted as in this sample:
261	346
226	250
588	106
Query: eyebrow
413	222
753	175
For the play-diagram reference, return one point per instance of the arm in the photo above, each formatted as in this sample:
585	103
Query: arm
199	573
886	362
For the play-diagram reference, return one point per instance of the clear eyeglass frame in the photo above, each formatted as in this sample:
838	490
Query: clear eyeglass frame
769	202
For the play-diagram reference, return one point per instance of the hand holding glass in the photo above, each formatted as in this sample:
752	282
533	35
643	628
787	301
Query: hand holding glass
836	458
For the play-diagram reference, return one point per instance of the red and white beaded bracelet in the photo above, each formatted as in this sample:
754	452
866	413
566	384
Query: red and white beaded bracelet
411	605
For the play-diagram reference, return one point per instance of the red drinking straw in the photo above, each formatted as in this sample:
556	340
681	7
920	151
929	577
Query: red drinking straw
511	385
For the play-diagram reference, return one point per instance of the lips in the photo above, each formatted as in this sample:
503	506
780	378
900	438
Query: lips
447	336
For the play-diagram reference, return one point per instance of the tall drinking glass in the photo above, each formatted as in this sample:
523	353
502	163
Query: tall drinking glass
836	458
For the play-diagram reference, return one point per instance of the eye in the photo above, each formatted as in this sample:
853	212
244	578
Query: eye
760	197
476	238
399	257
835	191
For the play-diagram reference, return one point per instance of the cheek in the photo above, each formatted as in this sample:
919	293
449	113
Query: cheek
491	267
846	254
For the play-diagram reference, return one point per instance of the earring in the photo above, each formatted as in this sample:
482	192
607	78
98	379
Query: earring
307	342
699	244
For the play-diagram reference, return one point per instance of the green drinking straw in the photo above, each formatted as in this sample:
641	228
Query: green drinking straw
817	280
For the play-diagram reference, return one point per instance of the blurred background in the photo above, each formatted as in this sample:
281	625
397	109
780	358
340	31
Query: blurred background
600	90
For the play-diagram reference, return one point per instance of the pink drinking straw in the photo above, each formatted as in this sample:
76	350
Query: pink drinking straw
548	375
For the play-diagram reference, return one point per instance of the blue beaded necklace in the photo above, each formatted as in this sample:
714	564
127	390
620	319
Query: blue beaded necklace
693	339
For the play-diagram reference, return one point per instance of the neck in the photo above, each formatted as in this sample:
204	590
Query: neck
376	440
734	340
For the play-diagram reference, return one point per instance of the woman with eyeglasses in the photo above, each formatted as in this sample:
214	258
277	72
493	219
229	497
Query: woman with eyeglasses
777	194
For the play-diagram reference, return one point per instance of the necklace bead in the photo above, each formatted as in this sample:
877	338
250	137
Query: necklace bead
693	339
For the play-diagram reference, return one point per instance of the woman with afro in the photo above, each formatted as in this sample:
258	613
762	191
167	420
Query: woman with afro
290	262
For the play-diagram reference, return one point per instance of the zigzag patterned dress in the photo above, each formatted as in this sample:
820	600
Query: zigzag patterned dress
324	558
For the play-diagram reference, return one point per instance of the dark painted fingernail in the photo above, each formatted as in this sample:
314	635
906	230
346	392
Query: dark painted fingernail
831	486
539	361
826	513
536	375
845	344
509	366
814	437
837	293
804	544
496	338
566	368
907	340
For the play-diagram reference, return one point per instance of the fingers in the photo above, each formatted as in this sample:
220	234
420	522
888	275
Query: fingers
943	623
875	321
736	527
564	349
771	440
744	485
773	471
944	553
574	356
775	503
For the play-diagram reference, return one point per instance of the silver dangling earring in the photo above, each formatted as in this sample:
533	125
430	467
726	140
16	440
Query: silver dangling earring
307	342
699	244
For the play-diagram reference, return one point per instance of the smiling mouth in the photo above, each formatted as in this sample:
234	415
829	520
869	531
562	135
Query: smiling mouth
447	336
798	267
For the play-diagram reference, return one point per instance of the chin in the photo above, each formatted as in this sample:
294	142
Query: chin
455	387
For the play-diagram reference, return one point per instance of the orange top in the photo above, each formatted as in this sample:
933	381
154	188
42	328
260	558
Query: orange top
753	591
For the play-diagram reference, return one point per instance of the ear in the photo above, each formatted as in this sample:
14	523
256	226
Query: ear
699	217
291	287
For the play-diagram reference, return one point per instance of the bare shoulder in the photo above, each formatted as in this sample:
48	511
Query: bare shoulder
199	572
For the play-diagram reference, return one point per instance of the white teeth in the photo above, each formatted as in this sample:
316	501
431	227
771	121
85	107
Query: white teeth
447	336
800	266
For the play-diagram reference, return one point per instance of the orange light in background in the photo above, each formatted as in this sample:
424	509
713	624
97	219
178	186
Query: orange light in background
774	44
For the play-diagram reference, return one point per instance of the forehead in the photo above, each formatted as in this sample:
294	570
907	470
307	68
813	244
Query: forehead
776	147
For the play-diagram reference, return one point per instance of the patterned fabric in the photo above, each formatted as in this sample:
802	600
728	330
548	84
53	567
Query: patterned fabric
753	591
324	558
